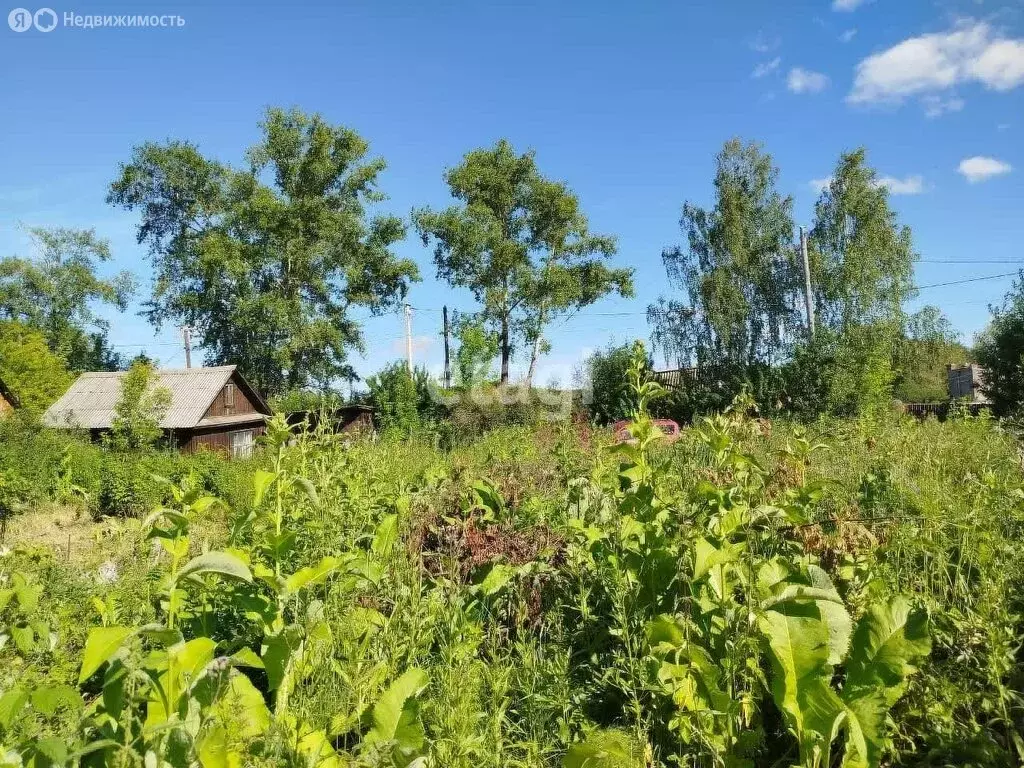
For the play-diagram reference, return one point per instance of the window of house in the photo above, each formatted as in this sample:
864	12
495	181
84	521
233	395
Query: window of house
242	443
229	397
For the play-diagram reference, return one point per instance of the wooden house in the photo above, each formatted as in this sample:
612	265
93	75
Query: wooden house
211	408
354	417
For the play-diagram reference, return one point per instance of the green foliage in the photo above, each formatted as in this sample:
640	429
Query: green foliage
521	244
35	375
737	269
139	410
267	273
1000	350
477	349
928	345
540	597
57	292
607	383
395	399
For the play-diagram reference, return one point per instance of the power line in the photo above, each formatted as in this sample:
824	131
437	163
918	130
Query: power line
967	280
968	262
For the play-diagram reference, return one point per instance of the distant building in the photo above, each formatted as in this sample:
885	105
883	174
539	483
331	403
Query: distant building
211	408
967	383
8	401
354	417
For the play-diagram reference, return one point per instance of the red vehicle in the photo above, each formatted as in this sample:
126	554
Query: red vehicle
668	427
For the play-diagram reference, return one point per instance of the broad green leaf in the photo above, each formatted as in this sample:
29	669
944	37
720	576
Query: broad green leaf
246	657
52	750
386	536
188	659
11	704
277	654
664	630
605	749
48	699
312	575
496	579
242	708
216	562
261	483
888	639
100	646
308	489
798	642
386	715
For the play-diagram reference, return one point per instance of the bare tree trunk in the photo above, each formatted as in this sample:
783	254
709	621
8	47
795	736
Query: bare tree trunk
536	350
505	350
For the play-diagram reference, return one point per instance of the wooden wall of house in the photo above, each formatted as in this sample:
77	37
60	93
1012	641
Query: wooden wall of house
217	439
221	404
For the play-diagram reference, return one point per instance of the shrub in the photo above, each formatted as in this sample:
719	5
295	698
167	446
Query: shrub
140	409
395	399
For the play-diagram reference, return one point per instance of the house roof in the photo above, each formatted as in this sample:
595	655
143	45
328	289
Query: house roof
90	401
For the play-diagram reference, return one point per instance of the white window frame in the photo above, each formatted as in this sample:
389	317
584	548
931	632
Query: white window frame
243	442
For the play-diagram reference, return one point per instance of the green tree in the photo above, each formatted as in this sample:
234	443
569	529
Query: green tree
862	273
737	269
478	347
607	383
267	262
924	350
139	410
521	245
34	374
57	292
395	398
1000	351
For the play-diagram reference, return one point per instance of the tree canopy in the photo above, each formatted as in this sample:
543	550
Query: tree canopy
268	261
737	269
521	244
1000	351
56	293
862	264
33	373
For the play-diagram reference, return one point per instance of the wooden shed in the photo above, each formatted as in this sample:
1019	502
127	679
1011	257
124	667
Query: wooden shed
211	408
8	400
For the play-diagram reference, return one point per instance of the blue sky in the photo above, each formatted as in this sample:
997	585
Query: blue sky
627	102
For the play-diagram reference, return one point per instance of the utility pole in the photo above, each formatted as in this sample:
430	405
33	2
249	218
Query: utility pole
447	354
186	334
408	337
808	301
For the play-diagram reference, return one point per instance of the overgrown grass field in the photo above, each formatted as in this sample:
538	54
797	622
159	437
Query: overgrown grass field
756	594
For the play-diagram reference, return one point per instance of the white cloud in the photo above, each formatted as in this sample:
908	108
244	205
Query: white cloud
848	35
820	185
911	185
936	106
763	43
980	168
766	67
970	52
847	5
805	81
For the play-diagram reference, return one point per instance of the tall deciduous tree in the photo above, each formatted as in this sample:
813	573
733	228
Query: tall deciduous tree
862	270
521	244
267	262
57	291
737	269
